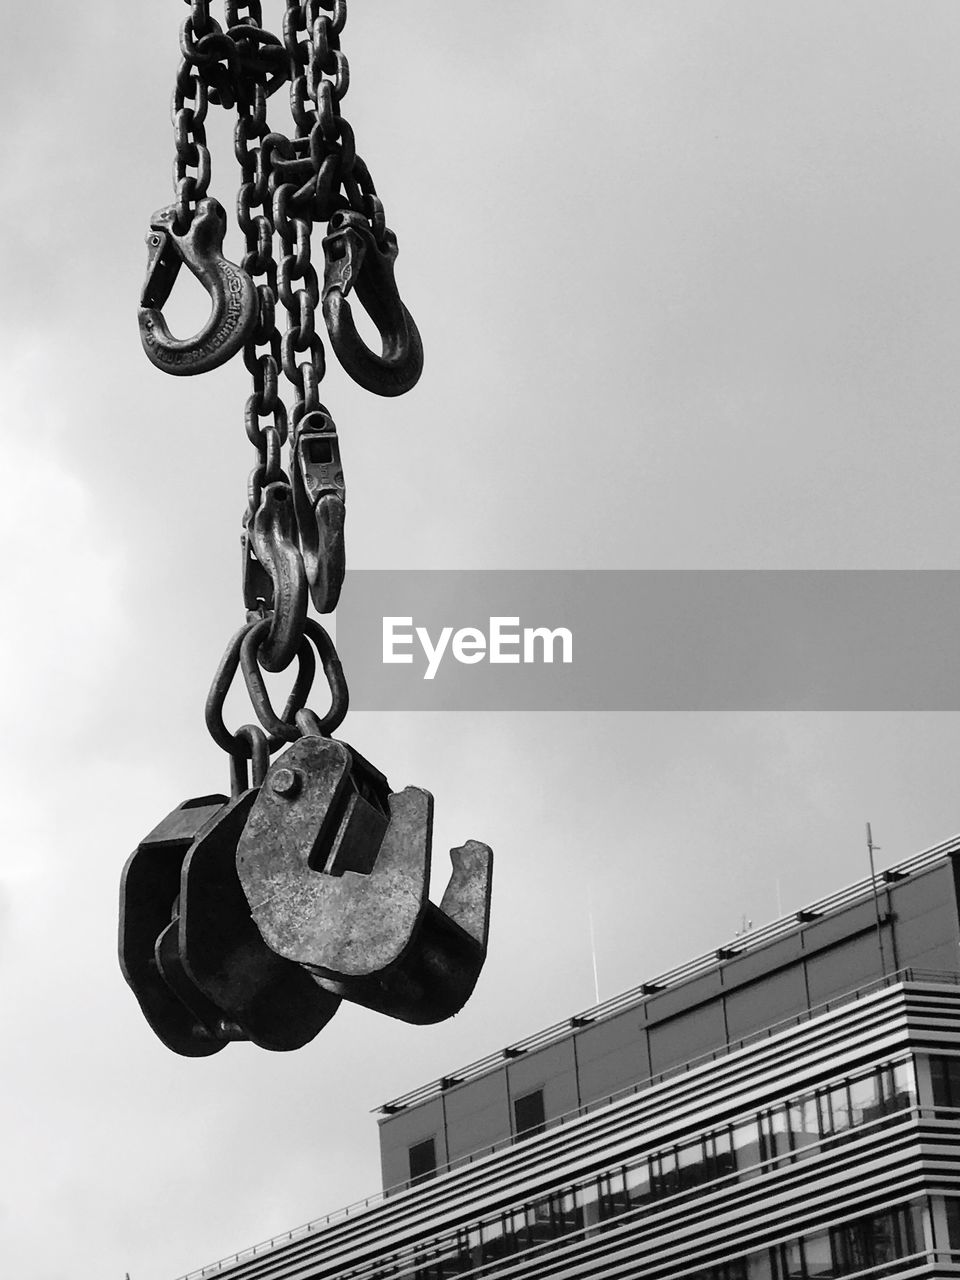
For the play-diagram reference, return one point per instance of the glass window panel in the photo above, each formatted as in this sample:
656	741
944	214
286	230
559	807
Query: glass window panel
845	1252
691	1165
945	1075
818	1254
613	1193
759	1265
953	1224
776	1133
804	1122
638	1182
746	1146
515	1226
724	1160
474	1248
882	1237
528	1113
791	1261
451	1262
904	1086
569	1215
540	1211
823	1111
938	1067
911	1217
494	1242
668	1171
865	1102
952	1076
876	1239
540	1220
839	1108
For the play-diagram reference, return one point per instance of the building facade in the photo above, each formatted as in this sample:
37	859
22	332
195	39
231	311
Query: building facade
785	1107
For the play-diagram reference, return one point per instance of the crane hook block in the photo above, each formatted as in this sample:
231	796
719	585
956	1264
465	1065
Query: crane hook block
336	870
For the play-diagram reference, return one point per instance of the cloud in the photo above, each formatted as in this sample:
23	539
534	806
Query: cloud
62	571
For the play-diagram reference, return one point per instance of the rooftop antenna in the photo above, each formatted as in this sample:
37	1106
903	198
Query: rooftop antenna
593	946
876	899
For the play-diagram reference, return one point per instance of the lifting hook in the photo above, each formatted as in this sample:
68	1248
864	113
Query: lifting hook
354	260
235	309
270	535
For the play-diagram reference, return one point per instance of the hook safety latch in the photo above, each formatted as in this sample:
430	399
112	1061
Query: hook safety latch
354	260
319	501
235	309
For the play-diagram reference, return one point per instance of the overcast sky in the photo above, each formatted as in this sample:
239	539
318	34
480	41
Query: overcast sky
688	280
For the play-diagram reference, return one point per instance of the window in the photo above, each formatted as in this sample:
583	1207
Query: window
945	1077
818	1255
692	1167
834	1110
613	1193
664	1179
746	1147
878	1238
496	1243
865	1102
540	1215
804	1125
568	1215
775	1129
759	1266
724	1161
624	1187
785	1131
791	1261
638	1182
849	1249
423	1161
900	1086
528	1114
953	1224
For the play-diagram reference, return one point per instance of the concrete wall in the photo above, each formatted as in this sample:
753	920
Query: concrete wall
554	1070
478	1114
926	927
611	1055
821	960
407	1128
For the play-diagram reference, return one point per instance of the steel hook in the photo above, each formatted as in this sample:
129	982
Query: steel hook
235	308
354	260
271	535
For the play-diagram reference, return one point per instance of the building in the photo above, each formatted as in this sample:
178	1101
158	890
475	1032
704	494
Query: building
788	1106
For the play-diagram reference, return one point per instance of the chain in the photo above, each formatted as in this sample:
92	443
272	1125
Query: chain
293	521
189	111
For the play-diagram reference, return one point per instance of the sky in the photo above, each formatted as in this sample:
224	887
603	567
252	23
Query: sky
688	281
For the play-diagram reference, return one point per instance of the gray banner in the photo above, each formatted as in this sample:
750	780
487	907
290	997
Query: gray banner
651	640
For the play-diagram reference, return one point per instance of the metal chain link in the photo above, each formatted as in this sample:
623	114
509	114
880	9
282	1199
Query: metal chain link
287	184
189	111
